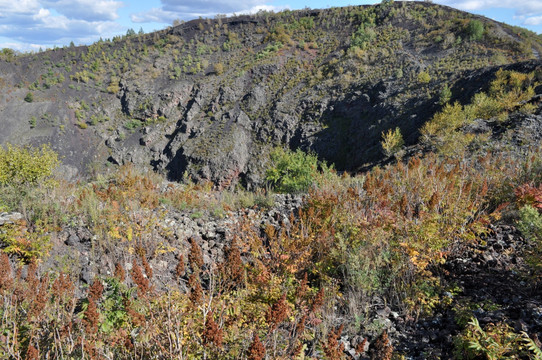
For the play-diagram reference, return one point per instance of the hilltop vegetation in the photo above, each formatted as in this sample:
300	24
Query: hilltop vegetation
259	251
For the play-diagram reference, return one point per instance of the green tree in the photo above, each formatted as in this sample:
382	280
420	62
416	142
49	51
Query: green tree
475	30
445	95
291	171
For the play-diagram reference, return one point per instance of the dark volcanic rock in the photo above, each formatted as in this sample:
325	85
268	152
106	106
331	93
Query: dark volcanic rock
209	99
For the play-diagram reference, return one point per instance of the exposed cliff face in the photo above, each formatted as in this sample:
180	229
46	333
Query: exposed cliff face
209	98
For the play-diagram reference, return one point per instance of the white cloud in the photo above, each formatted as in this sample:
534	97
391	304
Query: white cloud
89	10
533	20
522	7
154	15
57	22
18	8
208	6
529	12
257	8
191	9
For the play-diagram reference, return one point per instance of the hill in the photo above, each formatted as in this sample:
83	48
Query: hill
209	98
422	241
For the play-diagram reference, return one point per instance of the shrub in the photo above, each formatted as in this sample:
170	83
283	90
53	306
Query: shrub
219	68
392	141
26	166
497	341
113	87
133	124
25	176
475	30
33	121
291	171
530	223
424	77
29	97
27	245
445	95
485	107
364	35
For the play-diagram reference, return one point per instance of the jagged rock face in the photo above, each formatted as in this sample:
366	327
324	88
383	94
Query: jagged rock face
208	99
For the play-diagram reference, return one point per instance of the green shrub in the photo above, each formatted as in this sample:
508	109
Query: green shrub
363	36
291	171
24	165
497	341
475	30
32	122
29	97
25	176
133	124
29	247
445	95
530	223
424	77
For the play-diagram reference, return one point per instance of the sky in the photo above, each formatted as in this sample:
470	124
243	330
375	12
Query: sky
28	25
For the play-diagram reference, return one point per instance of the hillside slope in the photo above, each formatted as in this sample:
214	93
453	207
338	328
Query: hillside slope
435	253
209	98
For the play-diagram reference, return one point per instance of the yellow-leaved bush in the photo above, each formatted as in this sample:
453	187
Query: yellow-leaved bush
25	165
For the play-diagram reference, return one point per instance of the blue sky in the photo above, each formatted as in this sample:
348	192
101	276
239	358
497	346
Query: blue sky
27	25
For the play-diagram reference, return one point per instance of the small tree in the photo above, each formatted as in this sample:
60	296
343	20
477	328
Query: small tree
392	141
475	30
291	171
445	95
29	97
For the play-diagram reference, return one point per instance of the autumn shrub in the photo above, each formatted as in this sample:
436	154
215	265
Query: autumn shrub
27	245
392	141
529	222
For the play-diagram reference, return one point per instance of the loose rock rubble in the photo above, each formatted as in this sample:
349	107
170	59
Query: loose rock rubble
488	272
491	270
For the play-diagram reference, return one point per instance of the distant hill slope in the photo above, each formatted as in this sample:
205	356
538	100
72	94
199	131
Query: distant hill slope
209	98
